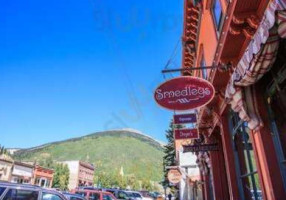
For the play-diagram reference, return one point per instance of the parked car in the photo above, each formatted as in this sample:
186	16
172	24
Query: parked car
95	194
71	196
156	195
146	195
121	194
17	191
136	195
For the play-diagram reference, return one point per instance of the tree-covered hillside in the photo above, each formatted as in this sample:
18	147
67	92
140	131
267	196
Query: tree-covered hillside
113	153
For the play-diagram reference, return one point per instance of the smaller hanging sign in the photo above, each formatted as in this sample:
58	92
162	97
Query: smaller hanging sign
174	176
185	118
201	147
181	134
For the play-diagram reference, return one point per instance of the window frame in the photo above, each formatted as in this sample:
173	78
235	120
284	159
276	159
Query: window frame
238	128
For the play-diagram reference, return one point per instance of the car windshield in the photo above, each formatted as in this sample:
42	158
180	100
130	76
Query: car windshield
136	194
130	194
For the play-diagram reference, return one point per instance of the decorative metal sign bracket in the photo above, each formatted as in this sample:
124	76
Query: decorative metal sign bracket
222	67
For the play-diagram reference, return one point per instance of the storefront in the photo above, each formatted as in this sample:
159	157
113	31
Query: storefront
43	176
22	173
245	44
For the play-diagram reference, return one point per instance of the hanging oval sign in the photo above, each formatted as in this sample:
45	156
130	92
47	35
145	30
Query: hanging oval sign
174	176
184	93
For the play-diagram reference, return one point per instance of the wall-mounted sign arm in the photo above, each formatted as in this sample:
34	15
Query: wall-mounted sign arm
222	67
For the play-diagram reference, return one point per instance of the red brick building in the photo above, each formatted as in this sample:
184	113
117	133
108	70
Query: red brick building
245	41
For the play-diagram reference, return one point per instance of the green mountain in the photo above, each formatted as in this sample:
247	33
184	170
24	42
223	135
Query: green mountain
112	152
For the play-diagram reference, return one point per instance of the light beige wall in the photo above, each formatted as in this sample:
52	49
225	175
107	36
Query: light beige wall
74	169
5	170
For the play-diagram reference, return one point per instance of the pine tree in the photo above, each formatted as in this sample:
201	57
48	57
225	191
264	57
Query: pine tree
61	177
3	150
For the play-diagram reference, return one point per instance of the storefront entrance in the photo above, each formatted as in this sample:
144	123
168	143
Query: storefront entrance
275	98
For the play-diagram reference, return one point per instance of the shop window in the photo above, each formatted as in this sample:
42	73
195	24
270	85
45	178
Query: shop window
217	13
37	182
245	161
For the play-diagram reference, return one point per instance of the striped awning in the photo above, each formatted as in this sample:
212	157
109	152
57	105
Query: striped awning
258	59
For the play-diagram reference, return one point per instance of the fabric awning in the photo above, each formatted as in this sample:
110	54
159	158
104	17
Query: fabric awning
258	59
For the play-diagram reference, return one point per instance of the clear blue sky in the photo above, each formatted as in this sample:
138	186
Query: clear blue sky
69	68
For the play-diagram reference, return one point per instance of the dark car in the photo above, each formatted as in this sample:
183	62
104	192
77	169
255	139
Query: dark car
71	196
27	192
121	194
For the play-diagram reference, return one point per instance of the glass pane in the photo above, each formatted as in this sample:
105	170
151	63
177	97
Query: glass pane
47	196
217	12
83	194
2	189
94	196
21	194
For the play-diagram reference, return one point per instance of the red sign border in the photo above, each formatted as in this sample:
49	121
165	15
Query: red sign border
209	83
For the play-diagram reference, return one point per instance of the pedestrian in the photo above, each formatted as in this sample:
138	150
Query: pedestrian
169	196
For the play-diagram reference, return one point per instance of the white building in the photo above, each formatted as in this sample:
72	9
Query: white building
22	173
190	174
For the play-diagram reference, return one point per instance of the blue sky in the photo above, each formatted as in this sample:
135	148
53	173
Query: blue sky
69	68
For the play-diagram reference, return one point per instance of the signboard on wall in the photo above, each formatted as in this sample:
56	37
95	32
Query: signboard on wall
174	176
182	134
185	118
184	93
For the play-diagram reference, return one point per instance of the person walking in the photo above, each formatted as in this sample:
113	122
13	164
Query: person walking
169	196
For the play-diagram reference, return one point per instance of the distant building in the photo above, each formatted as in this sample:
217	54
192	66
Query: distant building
22	173
81	174
6	164
12	151
43	176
